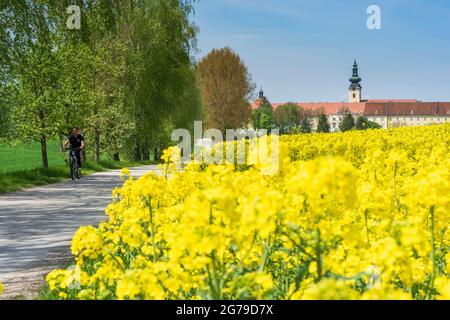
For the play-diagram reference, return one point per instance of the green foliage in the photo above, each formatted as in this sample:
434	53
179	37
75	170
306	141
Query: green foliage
323	125
262	117
5	117
6	87
362	123
161	83
287	118
347	123
305	126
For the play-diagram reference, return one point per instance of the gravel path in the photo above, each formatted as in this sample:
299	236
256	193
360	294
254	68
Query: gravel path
37	225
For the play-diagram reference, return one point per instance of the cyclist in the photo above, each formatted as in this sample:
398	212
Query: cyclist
75	141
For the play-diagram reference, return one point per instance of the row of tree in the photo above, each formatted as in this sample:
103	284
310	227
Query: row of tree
126	77
291	118
362	123
288	118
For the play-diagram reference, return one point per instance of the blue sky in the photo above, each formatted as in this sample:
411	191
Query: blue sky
303	50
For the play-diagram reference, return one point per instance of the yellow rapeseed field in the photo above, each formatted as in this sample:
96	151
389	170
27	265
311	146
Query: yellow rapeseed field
358	215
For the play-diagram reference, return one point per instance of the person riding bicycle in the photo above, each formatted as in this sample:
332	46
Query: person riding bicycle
75	141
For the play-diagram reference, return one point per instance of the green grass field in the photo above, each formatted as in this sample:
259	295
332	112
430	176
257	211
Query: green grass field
21	166
28	156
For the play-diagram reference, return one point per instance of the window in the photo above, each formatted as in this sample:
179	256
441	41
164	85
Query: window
354	95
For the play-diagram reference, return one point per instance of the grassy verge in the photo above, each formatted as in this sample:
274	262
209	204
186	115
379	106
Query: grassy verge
46	294
44	291
21	179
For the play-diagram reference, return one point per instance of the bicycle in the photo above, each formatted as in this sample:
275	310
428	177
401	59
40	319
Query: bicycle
75	170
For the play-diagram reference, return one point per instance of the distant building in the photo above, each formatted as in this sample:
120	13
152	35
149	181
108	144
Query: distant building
387	113
398	114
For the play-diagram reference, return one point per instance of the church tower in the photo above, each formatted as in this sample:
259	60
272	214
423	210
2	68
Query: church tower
261	93
354	91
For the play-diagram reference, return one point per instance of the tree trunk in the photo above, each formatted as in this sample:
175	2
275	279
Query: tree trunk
44	152
137	153
97	145
116	156
146	152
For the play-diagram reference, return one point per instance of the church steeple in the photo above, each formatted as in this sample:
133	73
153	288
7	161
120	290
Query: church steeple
261	93
354	91
355	79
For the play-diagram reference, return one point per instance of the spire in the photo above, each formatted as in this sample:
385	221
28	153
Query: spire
355	79
261	93
354	91
355	68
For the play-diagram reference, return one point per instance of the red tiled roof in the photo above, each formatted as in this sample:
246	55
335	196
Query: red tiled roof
407	109
374	107
327	108
393	100
443	109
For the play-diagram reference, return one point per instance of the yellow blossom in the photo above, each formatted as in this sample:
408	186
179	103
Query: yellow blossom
356	215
